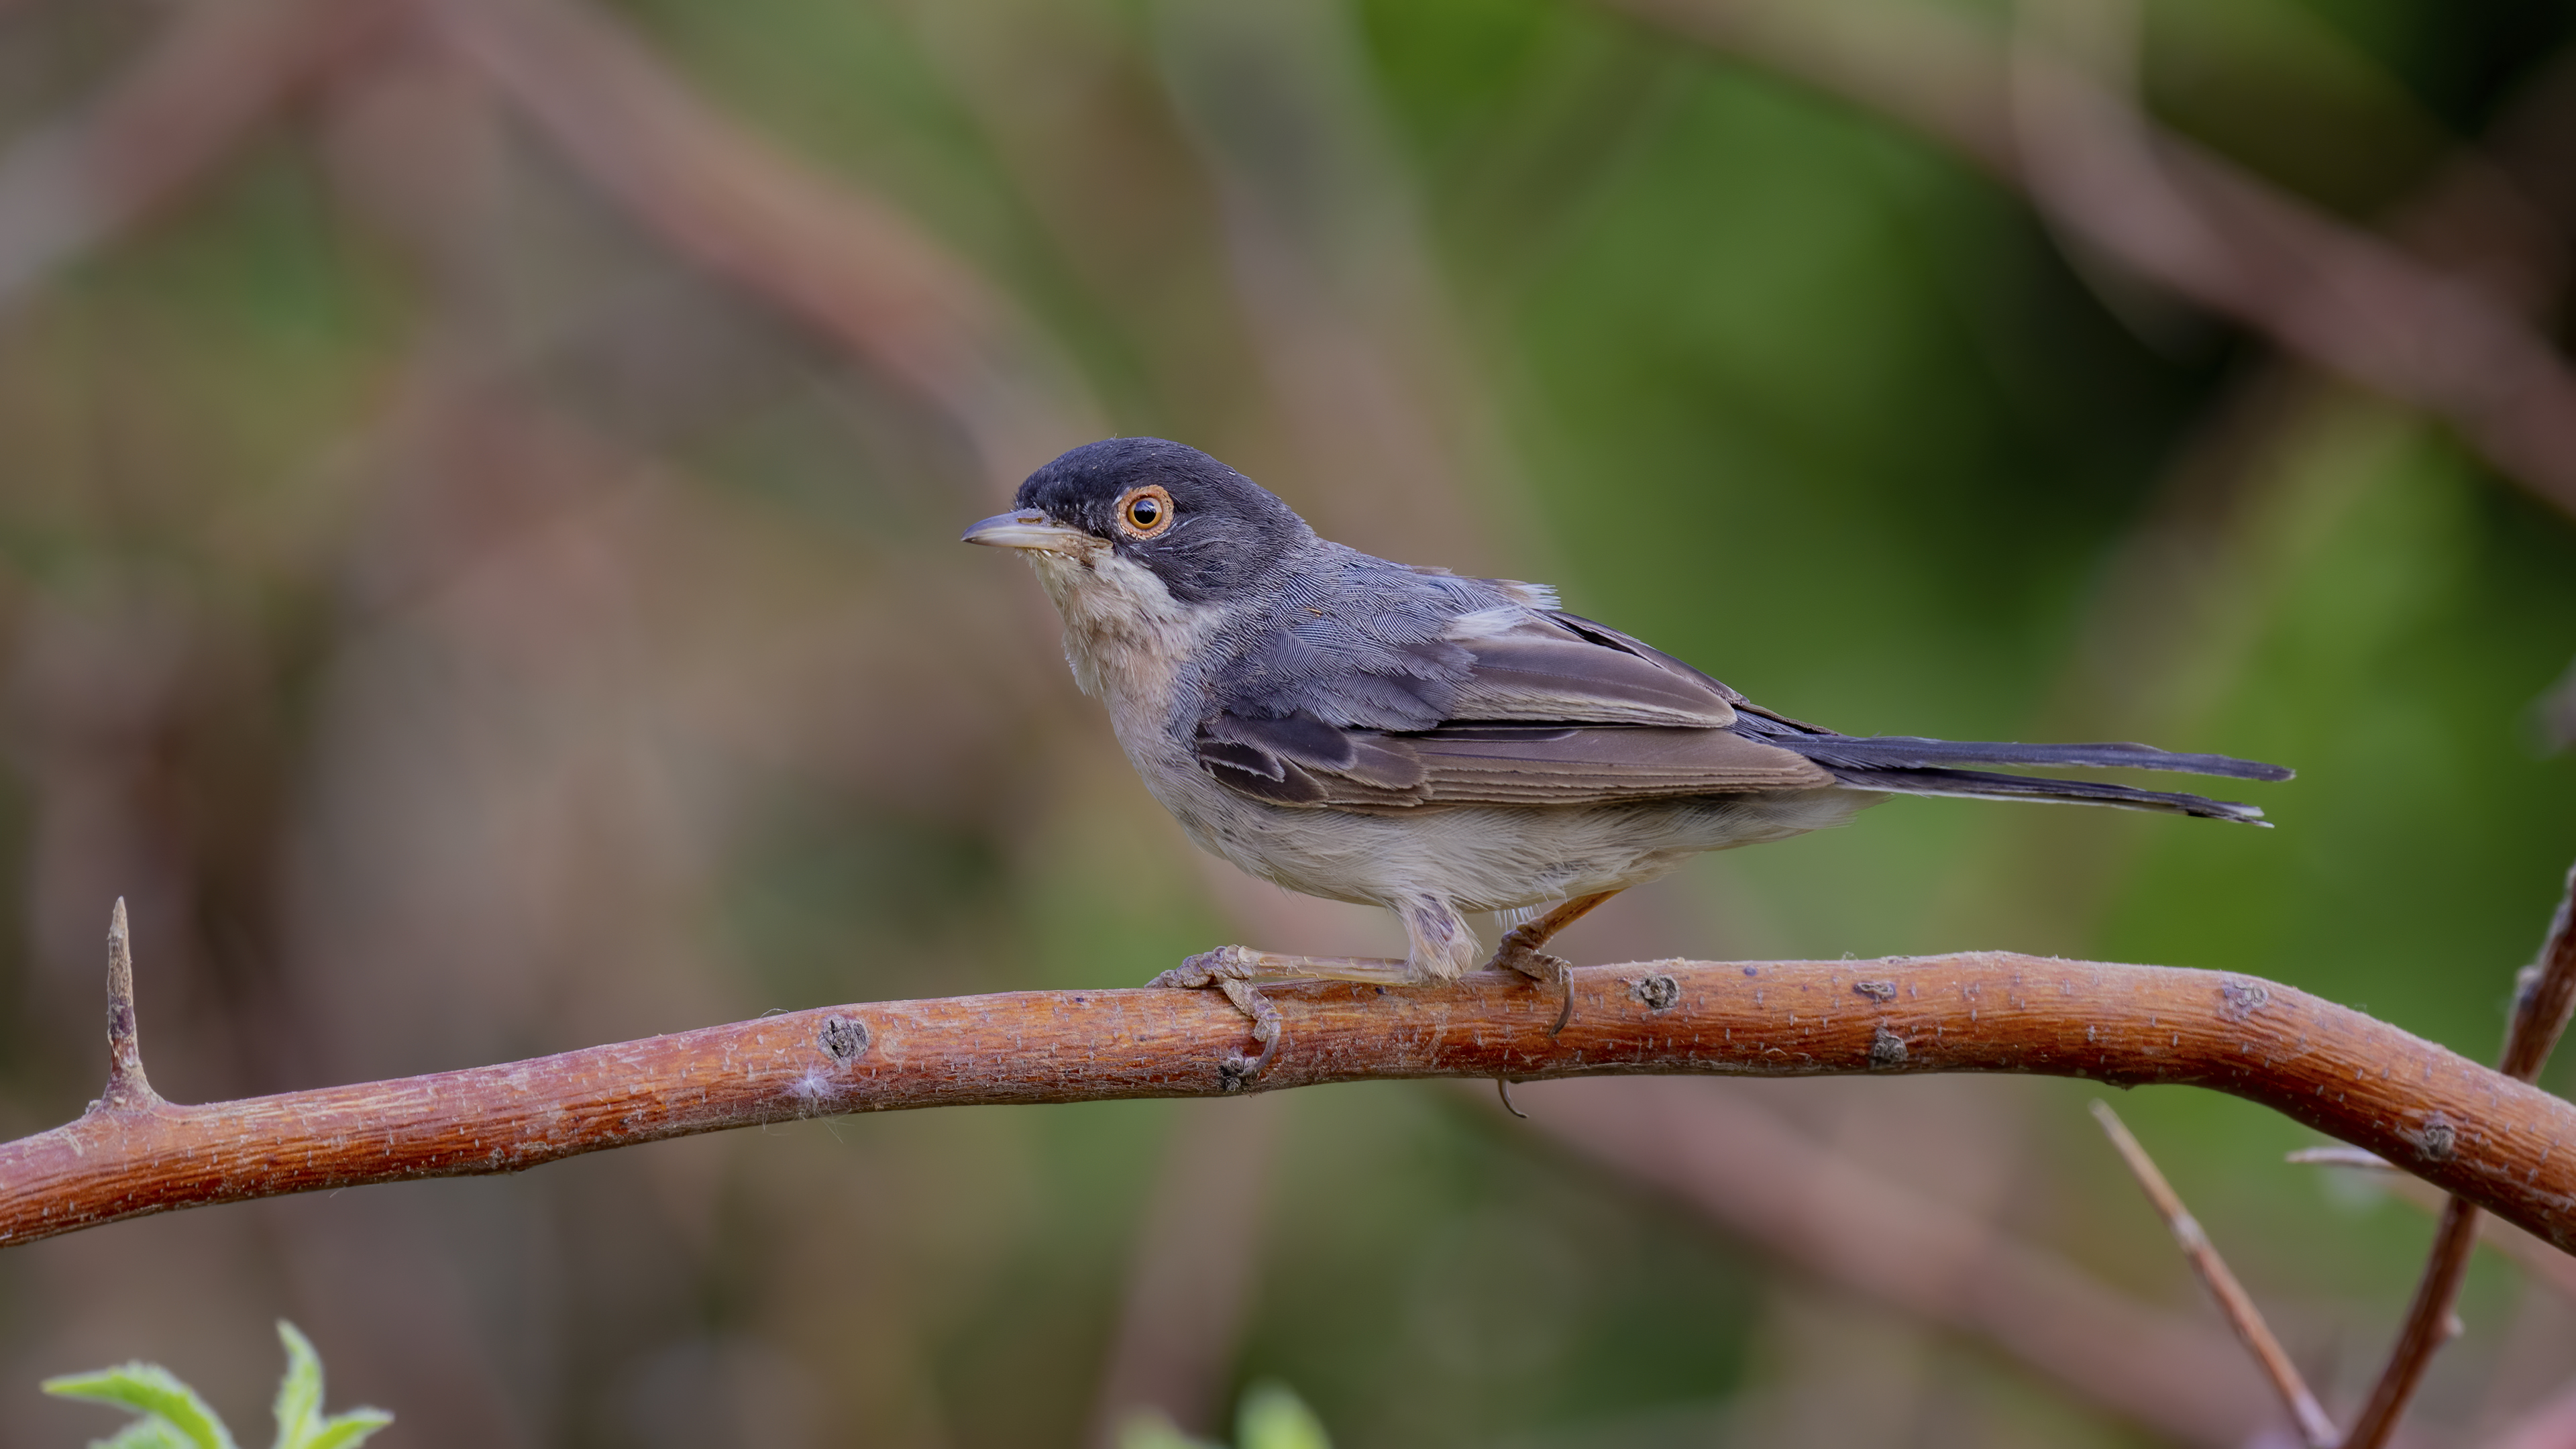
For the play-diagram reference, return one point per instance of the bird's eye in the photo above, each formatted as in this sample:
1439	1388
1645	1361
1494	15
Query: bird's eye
1145	512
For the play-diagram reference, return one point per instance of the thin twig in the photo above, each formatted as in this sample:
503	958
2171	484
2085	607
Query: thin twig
2545	993
2233	1301
2456	1124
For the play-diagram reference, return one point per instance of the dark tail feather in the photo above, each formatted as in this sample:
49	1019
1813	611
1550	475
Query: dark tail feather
1986	785
1903	752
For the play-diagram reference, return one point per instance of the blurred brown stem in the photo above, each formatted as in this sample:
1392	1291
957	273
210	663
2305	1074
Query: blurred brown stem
1878	1234
2546	994
2464	1128
823	251
2233	1301
2178	215
203	87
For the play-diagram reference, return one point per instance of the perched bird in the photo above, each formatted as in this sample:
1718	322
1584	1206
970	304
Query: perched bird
1371	731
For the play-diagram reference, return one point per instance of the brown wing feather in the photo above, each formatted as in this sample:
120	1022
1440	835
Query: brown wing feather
1556	667
1552	710
1510	765
1579	766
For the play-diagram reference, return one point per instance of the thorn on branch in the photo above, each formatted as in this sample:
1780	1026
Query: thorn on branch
2233	1301
2544	995
127	1088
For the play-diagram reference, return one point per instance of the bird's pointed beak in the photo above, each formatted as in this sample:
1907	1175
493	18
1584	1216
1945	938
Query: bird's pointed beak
1027	528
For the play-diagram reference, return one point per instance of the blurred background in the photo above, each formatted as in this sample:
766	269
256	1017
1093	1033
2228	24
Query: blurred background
479	483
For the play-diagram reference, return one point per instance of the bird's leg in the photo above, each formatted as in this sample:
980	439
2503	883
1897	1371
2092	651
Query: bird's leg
1520	951
1235	970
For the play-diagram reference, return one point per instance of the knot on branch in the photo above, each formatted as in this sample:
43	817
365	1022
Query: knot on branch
1886	1049
2238	1000
1659	992
842	1039
2437	1139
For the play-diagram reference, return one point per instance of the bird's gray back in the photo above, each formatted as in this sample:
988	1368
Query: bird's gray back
1351	640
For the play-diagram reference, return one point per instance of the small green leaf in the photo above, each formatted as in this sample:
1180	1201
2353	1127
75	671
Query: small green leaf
1274	1418
300	1424
299	1394
151	1390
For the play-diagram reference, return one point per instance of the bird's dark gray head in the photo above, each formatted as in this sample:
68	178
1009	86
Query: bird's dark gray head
1206	531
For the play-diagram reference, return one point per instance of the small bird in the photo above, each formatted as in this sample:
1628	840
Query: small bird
1405	737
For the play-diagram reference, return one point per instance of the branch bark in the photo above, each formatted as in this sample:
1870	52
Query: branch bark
2464	1128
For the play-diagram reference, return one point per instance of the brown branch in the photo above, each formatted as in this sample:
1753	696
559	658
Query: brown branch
1876	1235
2545	994
2179	215
2467	1130
2233	1301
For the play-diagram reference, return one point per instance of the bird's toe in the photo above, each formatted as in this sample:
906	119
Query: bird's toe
1210	968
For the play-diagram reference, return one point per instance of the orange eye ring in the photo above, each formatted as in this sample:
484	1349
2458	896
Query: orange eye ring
1146	512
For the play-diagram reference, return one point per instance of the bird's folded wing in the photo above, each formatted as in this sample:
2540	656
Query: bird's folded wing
1550	666
1305	762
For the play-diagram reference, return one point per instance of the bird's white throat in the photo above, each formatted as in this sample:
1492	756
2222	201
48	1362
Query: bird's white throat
1125	636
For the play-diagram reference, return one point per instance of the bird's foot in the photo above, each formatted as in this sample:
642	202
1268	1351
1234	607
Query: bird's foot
1538	966
1520	951
1231	969
1234	969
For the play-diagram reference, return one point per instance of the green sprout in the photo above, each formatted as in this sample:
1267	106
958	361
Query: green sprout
1270	1417
174	1417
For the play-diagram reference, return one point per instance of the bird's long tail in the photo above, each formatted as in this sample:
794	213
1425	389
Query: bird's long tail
1903	765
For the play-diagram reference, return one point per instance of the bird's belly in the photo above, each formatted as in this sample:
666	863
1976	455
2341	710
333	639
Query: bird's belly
1489	858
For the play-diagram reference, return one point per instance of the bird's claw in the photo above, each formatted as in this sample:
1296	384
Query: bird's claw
1230	969
1542	968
